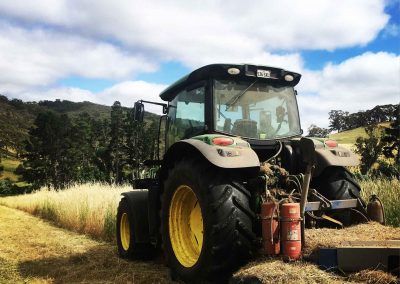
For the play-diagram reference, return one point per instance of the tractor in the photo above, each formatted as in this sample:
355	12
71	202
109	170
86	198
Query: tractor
229	138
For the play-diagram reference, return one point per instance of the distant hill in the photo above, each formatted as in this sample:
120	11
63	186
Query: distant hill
17	116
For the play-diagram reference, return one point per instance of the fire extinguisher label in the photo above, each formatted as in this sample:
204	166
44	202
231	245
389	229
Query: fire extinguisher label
292	235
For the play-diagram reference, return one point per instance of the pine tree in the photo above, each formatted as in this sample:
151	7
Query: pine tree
49	158
116	148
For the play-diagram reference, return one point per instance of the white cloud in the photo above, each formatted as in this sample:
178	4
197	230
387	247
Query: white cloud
358	83
126	92
118	39
39	57
198	32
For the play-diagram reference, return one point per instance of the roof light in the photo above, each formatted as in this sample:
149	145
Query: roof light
222	141
289	77
331	143
233	71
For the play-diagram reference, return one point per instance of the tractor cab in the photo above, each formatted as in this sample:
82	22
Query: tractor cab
257	103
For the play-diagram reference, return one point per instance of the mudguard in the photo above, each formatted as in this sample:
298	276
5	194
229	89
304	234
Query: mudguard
234	156
138	203
331	154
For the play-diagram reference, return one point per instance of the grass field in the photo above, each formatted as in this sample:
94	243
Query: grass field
33	251
91	208
389	192
88	208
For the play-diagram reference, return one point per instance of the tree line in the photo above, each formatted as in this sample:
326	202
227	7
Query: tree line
62	150
342	120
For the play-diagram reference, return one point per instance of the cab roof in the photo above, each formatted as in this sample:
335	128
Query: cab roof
244	71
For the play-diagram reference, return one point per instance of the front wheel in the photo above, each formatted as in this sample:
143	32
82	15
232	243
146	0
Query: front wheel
206	223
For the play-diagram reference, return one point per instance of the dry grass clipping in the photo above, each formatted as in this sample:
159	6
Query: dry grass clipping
267	270
373	277
277	271
329	238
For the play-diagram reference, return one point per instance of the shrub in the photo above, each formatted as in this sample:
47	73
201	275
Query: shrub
20	170
6	186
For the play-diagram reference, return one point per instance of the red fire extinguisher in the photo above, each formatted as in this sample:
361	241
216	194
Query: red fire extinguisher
291	230
270	227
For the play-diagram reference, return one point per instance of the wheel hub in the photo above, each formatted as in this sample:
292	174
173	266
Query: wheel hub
125	231
186	226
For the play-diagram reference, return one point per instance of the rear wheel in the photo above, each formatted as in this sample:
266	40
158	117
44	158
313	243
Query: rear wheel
336	183
206	224
125	233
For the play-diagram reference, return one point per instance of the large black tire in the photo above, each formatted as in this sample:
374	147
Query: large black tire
228	239
127	246
337	183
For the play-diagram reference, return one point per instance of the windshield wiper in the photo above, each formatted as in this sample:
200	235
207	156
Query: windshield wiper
238	96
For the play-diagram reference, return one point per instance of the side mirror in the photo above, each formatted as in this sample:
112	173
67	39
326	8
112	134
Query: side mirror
138	111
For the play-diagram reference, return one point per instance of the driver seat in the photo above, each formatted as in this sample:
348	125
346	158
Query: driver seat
245	127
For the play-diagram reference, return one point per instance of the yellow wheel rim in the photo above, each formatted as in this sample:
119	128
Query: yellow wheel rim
125	231
185	226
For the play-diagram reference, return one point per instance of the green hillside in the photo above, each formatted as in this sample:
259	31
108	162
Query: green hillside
350	136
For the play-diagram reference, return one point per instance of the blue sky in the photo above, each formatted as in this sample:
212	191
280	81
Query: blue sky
101	51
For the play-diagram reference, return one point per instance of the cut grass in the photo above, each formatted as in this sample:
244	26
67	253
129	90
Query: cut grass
275	270
33	251
91	209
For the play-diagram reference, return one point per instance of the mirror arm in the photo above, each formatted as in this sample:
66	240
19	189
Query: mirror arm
165	106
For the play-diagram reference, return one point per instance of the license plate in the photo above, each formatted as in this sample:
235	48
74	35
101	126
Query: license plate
264	73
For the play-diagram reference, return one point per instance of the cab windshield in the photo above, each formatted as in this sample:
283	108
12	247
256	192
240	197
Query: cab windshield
256	110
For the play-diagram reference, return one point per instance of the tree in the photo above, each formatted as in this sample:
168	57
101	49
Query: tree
116	148
315	131
337	119
49	158
86	143
369	148
391	138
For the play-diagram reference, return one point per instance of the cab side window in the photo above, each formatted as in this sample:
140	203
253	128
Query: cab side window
186	115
